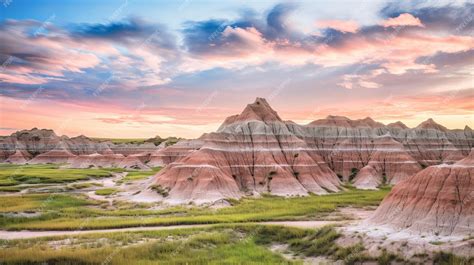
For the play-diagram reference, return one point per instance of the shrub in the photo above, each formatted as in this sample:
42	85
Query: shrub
160	190
354	172
386	258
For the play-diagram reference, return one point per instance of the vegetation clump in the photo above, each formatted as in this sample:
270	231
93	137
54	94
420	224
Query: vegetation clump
160	190
443	258
139	175
105	192
11	175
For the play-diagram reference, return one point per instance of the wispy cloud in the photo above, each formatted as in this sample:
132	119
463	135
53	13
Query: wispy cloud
114	66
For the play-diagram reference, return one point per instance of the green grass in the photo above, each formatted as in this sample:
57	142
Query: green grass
182	246
105	192
230	244
220	244
79	186
9	189
267	208
11	175
138	175
42	202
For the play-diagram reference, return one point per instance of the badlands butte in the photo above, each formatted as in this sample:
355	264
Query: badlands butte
430	169
256	152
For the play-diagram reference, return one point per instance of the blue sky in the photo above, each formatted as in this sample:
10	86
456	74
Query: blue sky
141	68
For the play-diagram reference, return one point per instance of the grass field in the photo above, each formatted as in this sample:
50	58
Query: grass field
11	175
64	211
267	208
222	244
245	244
14	178
233	239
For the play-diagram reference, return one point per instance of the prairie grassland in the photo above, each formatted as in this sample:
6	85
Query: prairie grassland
11	175
226	244
45	202
223	245
267	208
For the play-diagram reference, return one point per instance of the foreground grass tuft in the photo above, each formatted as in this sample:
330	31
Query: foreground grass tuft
105	192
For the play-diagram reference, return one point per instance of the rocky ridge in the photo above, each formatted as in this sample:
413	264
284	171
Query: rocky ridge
438	199
257	152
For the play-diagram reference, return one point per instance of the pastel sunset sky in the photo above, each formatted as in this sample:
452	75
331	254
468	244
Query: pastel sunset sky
130	69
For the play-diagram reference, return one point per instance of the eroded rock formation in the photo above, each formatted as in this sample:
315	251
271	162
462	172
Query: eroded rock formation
165	155
60	154
256	152
40	146
348	145
106	161
438	200
254	147
253	152
389	163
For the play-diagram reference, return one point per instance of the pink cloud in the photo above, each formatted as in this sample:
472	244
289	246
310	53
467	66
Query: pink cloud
59	52
404	19
51	56
396	55
341	25
18	78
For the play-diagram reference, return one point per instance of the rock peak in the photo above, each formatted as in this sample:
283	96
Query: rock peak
259	110
335	117
431	124
397	124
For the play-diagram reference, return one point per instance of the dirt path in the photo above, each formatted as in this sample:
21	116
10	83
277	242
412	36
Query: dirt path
9	235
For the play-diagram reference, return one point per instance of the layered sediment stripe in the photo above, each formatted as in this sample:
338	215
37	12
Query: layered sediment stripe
437	200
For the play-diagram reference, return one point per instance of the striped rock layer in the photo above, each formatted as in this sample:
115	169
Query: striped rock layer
253	152
257	152
439	200
41	146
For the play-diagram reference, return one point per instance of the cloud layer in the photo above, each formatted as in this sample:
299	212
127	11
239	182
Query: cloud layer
184	76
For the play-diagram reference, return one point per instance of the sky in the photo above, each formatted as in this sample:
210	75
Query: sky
136	69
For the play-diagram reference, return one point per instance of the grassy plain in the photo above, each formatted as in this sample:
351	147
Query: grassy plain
221	244
11	175
268	208
233	239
